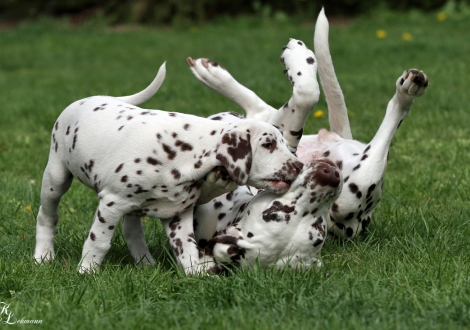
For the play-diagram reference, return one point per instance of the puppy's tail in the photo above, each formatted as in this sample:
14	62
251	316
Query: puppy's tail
147	93
337	111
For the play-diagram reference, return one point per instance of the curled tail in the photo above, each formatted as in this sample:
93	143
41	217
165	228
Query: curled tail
148	92
337	111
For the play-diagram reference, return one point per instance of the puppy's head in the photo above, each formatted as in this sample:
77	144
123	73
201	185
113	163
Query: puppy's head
256	153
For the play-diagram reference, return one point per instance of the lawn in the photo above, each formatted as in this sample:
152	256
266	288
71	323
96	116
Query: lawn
410	271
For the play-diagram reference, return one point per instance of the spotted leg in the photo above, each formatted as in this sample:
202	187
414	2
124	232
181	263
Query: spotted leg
101	233
301	69
363	180
56	181
179	230
214	76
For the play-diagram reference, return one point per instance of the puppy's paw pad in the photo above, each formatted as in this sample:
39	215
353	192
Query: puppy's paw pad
209	72
413	83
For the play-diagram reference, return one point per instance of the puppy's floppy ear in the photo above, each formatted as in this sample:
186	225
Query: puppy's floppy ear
236	155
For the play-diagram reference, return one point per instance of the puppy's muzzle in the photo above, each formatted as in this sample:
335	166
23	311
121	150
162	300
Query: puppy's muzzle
327	174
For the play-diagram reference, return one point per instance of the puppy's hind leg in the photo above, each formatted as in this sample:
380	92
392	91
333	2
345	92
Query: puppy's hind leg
134	234
214	76
363	184
110	211
55	183
301	69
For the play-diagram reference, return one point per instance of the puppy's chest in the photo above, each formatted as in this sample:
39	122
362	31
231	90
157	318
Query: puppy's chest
163	202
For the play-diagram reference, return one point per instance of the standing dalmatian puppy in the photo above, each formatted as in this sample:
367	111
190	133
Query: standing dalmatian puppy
152	163
363	165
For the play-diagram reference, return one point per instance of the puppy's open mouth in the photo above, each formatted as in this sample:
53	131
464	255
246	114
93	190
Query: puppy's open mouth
279	184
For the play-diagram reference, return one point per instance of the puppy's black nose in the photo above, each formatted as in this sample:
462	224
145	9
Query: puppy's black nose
327	175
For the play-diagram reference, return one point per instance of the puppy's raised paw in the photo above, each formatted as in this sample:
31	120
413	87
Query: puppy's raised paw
300	62
413	83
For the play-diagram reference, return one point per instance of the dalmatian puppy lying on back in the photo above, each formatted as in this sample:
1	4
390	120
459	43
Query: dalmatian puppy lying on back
280	230
152	163
363	165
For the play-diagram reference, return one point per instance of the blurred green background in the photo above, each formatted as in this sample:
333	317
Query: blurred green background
183	12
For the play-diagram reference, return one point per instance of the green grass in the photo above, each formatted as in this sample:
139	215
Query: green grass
411	271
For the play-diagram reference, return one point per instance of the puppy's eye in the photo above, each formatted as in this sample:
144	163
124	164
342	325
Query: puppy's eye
267	145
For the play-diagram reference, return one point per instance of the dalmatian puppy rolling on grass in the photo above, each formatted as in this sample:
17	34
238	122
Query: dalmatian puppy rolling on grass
280	230
152	163
362	165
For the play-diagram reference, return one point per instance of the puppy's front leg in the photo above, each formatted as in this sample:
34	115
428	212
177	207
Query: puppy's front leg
180	232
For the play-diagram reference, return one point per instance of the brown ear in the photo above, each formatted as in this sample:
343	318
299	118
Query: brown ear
236	155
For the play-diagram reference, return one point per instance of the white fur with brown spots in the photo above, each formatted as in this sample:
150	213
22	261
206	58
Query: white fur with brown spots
152	163
363	165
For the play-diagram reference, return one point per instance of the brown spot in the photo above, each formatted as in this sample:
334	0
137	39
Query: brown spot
298	133
100	218
74	141
273	212
153	161
317	242
339	163
183	145
239	147
334	208
118	168
353	187
318	225
370	190
310	60
170	152
176	174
